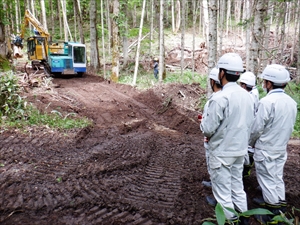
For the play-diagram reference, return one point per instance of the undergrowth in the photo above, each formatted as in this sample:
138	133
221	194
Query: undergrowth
17	113
146	80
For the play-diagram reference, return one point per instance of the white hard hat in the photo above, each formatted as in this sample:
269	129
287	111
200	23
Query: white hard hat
214	74
231	62
248	78
276	74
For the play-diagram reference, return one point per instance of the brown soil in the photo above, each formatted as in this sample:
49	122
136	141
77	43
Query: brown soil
142	161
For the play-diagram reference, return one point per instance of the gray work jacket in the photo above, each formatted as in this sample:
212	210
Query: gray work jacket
274	121
228	120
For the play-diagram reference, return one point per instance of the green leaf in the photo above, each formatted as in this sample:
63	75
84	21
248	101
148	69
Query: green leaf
220	214
257	211
208	223
1	164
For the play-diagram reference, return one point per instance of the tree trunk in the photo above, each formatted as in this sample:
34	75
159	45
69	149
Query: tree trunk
257	38
182	35
178	19
151	26
103	40
228	17
194	34
138	45
3	44
115	41
298	61
266	39
94	57
248	7
79	21
109	27
221	25
283	33
17	6
162	71
205	20
125	37
52	18
173	16
212	39
44	18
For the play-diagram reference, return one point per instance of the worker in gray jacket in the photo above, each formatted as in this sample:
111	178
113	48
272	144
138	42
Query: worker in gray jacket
216	87
273	125
227	125
248	82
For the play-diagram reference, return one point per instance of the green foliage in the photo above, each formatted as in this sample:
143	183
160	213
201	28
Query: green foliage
293	90
11	103
14	111
187	78
221	219
53	120
4	64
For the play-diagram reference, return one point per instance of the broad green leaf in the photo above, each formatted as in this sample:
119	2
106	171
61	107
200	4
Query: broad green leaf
220	214
257	211
208	223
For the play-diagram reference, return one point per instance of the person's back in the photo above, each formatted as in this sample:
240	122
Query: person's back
231	124
227	126
280	122
270	133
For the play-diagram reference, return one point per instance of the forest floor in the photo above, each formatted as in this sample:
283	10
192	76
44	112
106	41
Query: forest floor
141	162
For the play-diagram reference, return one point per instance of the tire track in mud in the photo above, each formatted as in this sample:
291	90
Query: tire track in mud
110	177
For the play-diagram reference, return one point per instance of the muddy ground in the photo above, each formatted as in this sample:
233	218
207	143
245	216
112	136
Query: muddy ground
141	162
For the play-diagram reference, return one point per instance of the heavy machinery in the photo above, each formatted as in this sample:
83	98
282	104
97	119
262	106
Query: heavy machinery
56	58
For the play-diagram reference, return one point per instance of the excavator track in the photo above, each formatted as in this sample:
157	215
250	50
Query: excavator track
47	67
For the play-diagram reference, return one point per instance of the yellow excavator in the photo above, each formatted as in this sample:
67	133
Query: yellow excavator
57	58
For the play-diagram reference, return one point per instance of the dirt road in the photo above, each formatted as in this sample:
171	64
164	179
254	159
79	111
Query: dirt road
142	161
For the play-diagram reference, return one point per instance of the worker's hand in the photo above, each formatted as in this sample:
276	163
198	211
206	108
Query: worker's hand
206	139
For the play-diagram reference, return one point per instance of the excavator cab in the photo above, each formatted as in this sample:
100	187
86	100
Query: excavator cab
36	48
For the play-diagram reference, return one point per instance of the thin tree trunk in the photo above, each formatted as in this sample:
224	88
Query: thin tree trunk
125	39
221	25
94	57
151	26
66	30
248	7
178	19
182	35
297	18
115	41
137	55
194	34
266	39
44	18
17	5
173	16
206	21
75	24
257	39
79	21
212	38
162	71
109	27
283	34
228	16
60	19
52	18
103	40
298	61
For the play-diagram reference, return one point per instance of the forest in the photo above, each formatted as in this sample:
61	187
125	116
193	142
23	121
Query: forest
88	134
120	31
